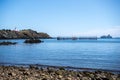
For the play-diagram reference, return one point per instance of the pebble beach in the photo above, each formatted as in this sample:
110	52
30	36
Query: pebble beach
51	73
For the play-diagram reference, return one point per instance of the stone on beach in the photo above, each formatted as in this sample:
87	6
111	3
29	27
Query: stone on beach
35	73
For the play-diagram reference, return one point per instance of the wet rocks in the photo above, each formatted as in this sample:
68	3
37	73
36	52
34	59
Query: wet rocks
7	43
33	41
34	73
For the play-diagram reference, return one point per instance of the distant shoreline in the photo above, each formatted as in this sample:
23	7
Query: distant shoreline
53	38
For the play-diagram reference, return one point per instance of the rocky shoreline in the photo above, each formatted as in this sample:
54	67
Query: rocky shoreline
22	34
51	73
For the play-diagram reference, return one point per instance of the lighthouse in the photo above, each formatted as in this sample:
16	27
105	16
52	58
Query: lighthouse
15	29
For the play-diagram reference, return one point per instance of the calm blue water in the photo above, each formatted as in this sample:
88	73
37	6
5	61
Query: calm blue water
98	54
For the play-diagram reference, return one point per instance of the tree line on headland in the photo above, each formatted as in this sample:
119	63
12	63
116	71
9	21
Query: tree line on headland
22	34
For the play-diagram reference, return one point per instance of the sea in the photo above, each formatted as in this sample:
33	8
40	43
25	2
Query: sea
94	54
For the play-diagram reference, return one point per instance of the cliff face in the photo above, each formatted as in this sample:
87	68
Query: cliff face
23	34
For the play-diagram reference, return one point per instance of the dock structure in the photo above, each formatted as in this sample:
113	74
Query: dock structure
89	38
76	38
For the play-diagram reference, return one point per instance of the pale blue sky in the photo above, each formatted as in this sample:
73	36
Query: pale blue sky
62	17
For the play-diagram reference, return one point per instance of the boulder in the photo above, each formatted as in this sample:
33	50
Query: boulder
33	41
7	43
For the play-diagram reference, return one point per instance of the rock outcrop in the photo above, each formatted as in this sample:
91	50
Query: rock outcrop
22	34
33	41
8	43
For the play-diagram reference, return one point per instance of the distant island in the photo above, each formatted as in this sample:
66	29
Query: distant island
22	34
106	36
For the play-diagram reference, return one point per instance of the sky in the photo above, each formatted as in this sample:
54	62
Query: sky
62	17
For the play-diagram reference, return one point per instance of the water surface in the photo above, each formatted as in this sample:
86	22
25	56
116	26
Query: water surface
97	54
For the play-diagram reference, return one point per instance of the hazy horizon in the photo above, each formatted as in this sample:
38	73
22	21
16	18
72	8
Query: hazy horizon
62	17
